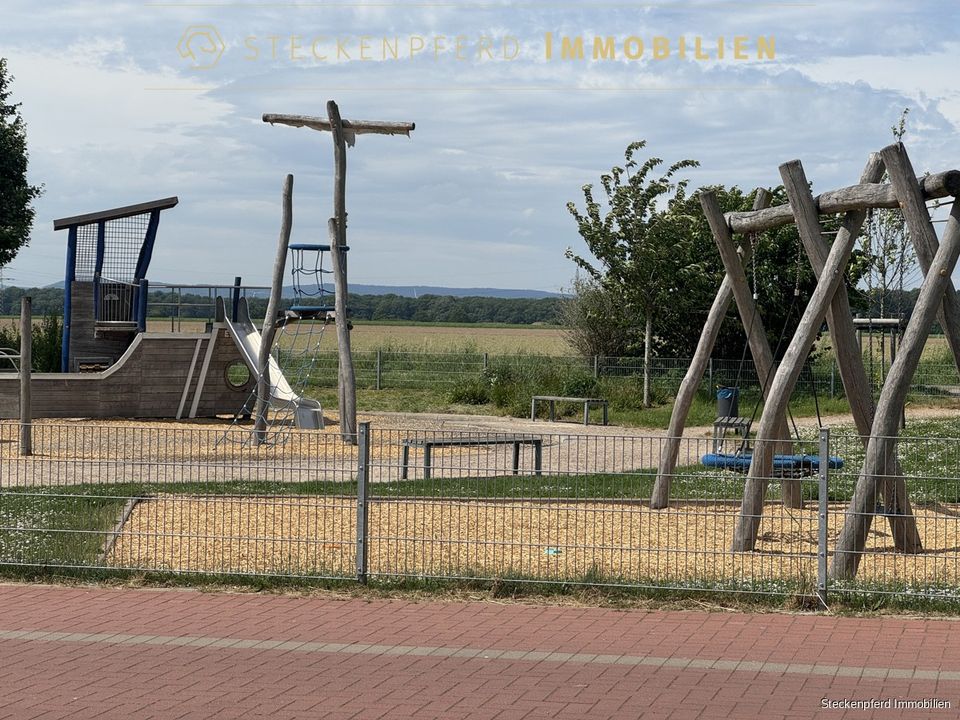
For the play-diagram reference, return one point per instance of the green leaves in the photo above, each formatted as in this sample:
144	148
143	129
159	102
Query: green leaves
16	194
651	252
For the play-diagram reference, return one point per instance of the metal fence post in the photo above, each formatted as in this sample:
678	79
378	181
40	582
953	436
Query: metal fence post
26	361
379	369
833	382
486	361
363	498
710	374
822	516
596	366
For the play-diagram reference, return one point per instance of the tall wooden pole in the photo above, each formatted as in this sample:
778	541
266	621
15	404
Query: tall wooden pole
752	324
269	330
856	383
923	236
881	453
347	387
660	496
26	367
785	380
344	133
849	359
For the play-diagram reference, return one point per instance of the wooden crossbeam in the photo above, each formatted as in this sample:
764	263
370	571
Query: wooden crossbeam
855	197
350	127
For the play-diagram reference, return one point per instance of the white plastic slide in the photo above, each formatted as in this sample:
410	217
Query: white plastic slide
248	340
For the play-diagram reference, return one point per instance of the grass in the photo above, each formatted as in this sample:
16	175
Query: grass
437	400
64	528
589	590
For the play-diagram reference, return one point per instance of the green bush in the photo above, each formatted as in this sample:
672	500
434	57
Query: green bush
47	343
509	383
475	391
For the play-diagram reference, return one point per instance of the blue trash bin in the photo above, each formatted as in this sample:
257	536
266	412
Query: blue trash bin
728	402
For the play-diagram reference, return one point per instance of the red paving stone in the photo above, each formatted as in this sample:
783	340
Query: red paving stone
97	678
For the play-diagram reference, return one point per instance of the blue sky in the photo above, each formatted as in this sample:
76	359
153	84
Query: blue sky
476	197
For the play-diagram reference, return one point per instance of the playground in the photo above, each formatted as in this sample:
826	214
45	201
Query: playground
202	450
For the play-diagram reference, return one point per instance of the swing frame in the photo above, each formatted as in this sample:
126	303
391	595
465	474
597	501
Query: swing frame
881	475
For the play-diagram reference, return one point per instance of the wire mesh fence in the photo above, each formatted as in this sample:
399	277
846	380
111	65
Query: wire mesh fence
384	369
184	499
912	544
528	507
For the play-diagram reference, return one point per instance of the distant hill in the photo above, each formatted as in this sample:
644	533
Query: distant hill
416	304
418	290
413	291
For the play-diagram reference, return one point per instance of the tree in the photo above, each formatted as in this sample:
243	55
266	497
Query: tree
594	322
887	251
16	194
659	263
642	257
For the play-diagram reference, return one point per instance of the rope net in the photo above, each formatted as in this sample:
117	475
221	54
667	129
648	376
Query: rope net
296	346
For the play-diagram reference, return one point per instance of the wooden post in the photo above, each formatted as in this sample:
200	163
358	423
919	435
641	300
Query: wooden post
788	372
344	133
746	306
923	236
26	368
347	390
849	359
882	446
660	496
269	330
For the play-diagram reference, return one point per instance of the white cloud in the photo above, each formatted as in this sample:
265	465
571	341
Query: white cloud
499	147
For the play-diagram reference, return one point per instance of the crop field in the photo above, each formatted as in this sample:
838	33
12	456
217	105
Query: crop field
539	340
433	338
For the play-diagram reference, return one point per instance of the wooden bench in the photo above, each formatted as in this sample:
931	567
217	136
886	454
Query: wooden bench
472	441
554	399
739	425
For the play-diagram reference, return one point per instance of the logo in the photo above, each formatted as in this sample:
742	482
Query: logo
202	45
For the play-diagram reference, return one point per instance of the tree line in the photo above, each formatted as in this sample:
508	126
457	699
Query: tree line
426	308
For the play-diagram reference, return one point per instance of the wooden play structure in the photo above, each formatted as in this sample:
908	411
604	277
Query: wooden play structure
113	365
344	133
880	476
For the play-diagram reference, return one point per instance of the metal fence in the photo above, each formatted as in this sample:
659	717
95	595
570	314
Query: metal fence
383	369
547	508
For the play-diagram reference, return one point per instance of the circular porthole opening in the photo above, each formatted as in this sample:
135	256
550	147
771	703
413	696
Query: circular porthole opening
237	375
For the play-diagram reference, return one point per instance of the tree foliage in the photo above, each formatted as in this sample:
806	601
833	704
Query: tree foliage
653	252
887	251
595	323
639	246
16	194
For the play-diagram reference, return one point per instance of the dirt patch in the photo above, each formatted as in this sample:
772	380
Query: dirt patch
688	542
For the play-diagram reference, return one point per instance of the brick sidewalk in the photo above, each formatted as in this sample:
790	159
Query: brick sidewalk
116	653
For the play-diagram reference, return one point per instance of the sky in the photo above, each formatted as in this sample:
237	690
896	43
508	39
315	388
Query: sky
131	101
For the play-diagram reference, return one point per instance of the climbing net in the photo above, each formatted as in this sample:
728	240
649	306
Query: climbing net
294	356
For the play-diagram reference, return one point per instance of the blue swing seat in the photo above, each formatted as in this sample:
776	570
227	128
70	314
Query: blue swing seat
781	463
